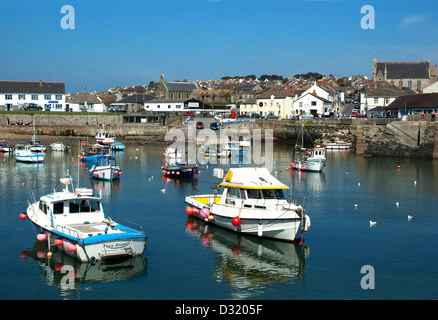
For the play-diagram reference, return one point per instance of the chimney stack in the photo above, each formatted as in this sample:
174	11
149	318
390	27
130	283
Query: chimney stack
41	83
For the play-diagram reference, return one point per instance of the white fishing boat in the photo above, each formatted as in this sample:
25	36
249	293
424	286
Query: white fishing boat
253	203
74	221
313	159
338	145
105	169
6	146
58	146
104	137
24	153
34	144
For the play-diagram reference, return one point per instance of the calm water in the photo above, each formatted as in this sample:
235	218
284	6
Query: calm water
187	260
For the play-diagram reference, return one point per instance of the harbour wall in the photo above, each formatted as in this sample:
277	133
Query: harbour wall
413	138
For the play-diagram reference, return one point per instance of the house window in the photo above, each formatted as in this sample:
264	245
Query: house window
8	96
313	103
158	107
58	107
179	95
21	96
178	106
387	100
376	100
171	95
419	85
59	97
47	107
34	97
410	84
168	106
47	97
400	83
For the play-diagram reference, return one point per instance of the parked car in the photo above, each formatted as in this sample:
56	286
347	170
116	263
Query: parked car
32	107
214	126
199	125
271	117
189	114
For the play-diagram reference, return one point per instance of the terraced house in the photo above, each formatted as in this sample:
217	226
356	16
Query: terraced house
39	95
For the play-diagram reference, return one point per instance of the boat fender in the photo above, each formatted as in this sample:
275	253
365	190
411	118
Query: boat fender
236	221
23	216
307	223
205	213
260	230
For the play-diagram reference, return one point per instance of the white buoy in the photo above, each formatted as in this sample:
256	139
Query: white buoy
373	223
397	204
410	218
259	230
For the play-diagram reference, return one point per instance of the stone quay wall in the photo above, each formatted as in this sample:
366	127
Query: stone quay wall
372	137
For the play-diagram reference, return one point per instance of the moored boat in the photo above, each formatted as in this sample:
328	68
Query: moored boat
105	169
6	146
75	222
313	160
253	203
117	146
104	137
58	146
92	152
338	145
23	153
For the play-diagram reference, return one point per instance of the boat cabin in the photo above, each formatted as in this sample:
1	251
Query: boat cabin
61	209
252	189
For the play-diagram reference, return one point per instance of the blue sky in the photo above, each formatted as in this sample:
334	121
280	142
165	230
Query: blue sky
131	42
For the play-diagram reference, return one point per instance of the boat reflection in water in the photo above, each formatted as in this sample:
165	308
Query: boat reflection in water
250	264
69	274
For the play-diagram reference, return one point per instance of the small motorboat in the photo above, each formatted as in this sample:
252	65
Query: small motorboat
6	146
252	203
90	153
23	153
177	169
313	160
58	146
105	169
36	146
117	146
338	145
74	221
104	137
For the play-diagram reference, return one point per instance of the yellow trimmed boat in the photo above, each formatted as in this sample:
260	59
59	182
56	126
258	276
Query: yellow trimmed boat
252	202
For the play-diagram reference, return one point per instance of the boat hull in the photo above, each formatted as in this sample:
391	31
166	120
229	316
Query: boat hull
29	157
108	248
177	172
309	165
275	224
107	173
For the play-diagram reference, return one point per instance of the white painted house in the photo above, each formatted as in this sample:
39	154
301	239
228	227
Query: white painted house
85	102
276	102
311	104
164	105
15	95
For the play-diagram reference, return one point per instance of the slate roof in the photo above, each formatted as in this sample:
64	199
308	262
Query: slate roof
32	87
278	94
386	90
137	98
180	86
423	100
405	70
82	98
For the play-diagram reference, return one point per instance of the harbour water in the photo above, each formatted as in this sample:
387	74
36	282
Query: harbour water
342	256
